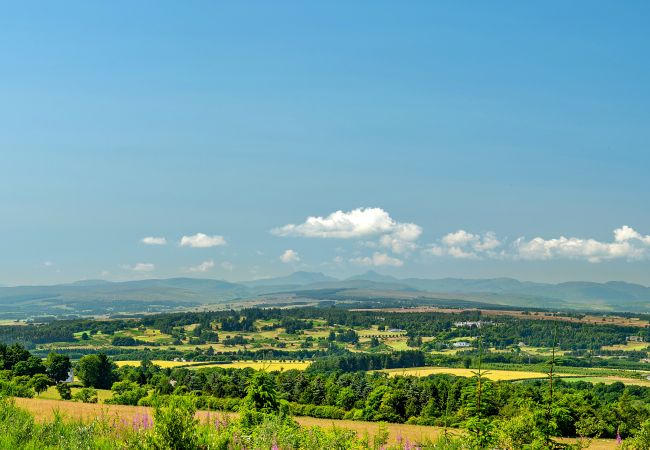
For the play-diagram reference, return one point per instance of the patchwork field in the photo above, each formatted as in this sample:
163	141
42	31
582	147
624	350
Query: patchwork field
537	315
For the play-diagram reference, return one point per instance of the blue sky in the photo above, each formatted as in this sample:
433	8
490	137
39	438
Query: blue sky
523	126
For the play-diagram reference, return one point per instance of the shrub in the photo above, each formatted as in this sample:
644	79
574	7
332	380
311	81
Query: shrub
64	390
15	388
127	393
175	427
85	395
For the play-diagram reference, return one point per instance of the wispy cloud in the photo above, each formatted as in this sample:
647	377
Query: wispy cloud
378	259
153	240
140	267
203	267
463	245
290	256
201	240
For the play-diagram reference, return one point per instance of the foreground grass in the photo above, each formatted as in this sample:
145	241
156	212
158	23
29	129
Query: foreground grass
47	410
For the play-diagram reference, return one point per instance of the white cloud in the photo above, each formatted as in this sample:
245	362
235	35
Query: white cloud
141	267
203	267
289	256
464	245
48	264
360	223
626	233
228	266
576	248
628	244
200	240
153	240
378	259
403	239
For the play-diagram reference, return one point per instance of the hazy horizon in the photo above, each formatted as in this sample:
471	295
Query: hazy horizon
283	275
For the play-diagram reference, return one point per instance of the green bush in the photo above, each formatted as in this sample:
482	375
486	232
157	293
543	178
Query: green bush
85	395
16	388
64	390
175	427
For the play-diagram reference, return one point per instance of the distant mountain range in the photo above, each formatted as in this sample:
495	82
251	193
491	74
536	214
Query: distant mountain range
99	296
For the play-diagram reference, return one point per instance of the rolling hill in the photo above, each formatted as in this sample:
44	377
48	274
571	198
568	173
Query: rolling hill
91	297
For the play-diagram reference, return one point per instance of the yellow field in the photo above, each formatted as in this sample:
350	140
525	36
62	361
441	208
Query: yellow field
260	365
495	375
45	410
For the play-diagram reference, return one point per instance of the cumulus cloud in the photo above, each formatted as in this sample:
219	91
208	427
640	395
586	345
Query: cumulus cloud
464	245
360	223
289	256
378	259
403	239
625	234
141	267
628	244
153	240
200	240
203	267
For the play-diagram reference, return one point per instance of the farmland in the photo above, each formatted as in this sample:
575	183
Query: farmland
409	370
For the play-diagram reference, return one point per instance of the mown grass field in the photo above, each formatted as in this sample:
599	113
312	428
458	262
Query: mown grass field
52	394
613	379
119	414
628	346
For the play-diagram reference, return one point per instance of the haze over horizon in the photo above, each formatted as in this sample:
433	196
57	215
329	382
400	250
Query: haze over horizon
236	143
